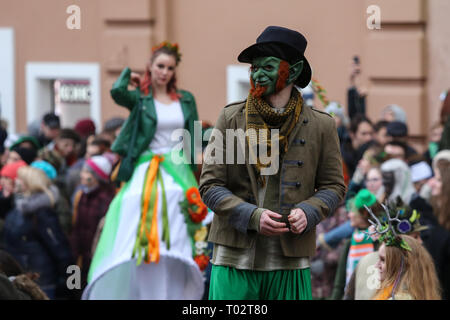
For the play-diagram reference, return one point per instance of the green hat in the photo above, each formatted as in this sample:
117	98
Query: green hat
31	139
364	198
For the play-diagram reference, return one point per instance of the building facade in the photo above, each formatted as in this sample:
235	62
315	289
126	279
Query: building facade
64	55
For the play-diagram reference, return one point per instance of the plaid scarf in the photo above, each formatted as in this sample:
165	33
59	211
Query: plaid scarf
260	115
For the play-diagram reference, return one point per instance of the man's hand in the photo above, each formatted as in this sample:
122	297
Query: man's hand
270	227
298	220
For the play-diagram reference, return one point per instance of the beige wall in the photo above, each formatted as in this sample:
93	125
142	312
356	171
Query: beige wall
41	35
396	56
213	33
405	62
438	52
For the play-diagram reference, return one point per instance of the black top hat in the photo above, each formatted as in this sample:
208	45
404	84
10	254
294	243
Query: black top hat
283	43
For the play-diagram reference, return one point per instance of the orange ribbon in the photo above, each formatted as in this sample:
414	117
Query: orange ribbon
152	236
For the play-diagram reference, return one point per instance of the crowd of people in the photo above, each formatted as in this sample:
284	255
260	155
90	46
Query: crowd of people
381	167
114	204
55	191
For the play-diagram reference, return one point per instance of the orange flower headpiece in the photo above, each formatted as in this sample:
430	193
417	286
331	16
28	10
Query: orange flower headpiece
173	47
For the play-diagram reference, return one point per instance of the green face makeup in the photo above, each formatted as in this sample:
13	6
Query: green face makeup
264	73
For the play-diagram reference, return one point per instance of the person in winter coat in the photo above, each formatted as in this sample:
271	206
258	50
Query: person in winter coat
91	203
32	233
8	175
437	240
62	206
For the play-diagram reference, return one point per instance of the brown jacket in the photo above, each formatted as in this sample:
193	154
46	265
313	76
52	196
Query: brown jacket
311	179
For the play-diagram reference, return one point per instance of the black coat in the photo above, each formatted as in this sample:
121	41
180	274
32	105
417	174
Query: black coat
437	241
35	239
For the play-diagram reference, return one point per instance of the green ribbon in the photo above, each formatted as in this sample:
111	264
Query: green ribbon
141	242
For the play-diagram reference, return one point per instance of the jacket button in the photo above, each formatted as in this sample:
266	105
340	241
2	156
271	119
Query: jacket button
298	184
300	163
305	121
302	141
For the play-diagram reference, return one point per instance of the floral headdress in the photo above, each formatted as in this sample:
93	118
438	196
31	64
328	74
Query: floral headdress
172	88
173	47
398	220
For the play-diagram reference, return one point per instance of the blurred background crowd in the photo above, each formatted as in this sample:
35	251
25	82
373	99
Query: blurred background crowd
56	185
57	169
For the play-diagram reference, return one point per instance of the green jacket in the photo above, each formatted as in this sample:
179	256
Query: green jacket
311	179
143	119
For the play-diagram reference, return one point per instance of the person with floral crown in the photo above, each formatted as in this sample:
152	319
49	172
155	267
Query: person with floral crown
266	208
406	269
152	245
365	279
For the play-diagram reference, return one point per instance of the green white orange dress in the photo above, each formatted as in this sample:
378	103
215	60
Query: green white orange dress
153	242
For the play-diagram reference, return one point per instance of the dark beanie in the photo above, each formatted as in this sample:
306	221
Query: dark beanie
27	154
397	129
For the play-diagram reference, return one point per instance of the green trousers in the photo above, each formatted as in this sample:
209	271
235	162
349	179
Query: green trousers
228	283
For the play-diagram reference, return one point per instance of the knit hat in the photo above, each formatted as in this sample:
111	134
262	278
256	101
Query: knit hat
85	128
10	170
27	154
397	129
420	171
48	169
100	166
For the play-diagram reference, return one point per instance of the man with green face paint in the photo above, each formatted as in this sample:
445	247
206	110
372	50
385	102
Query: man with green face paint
264	223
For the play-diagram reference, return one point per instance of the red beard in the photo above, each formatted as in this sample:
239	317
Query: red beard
257	91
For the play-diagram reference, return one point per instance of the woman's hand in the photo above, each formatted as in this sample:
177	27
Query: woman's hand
135	79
